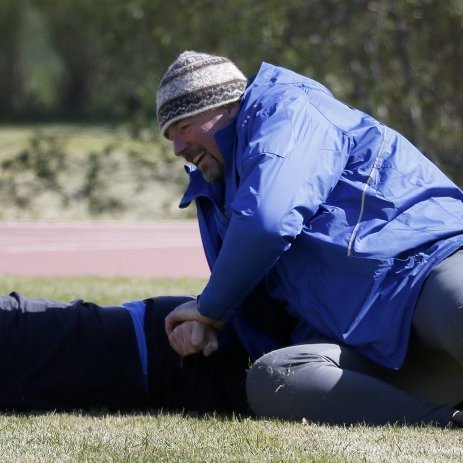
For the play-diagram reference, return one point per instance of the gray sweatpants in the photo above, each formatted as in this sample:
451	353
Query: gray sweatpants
325	382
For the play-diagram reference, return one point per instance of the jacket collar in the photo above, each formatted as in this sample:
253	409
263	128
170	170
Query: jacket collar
198	187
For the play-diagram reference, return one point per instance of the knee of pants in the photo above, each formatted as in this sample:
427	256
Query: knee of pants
278	381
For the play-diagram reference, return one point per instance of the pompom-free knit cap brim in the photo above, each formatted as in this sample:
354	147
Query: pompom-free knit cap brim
196	82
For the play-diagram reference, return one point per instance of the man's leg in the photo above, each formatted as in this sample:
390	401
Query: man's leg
430	374
328	383
433	368
438	319
194	383
55	355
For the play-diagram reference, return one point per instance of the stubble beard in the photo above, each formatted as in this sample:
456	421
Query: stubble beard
214	172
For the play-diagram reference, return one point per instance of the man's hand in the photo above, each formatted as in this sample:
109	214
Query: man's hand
192	338
189	312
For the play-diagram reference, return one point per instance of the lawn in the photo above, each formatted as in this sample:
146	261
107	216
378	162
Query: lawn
155	436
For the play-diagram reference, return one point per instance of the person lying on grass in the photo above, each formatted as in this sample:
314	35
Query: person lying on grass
78	355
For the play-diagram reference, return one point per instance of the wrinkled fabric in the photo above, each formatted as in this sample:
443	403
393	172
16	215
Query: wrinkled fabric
340	216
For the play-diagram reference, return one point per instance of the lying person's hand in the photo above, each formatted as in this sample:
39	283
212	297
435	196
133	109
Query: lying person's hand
192	337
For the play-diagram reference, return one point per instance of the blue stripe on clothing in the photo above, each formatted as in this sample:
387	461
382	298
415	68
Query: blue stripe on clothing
137	312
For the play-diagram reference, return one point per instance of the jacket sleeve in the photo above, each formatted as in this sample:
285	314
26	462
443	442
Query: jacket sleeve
290	160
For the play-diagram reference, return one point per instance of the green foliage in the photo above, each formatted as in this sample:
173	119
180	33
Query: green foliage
43	160
397	59
64	172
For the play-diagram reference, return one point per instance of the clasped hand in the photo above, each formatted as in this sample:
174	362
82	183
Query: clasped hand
190	332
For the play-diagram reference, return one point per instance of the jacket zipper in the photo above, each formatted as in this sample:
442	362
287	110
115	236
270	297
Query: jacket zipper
364	192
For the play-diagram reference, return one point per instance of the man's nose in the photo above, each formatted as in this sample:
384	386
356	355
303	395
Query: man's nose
180	145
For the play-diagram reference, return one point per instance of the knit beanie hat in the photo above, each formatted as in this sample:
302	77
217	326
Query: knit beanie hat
196	82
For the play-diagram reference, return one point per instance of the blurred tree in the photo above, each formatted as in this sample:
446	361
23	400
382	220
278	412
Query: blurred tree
75	28
399	60
10	71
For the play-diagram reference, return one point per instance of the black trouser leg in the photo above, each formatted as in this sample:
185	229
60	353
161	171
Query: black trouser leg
57	355
193	383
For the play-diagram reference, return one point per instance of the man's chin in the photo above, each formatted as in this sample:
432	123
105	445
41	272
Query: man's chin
212	176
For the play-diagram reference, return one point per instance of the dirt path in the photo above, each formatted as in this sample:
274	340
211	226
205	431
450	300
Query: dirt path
155	249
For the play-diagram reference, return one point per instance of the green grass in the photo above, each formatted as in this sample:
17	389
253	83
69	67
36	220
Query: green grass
161	437
104	291
164	437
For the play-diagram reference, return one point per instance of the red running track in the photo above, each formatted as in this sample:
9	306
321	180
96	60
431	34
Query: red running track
170	249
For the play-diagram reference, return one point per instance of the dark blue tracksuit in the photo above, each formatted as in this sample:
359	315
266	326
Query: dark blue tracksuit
62	356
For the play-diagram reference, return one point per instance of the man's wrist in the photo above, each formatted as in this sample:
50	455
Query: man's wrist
210	309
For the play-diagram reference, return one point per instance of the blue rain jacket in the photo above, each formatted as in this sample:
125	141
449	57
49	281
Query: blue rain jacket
340	217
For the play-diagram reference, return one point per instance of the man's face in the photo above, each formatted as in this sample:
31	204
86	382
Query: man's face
193	140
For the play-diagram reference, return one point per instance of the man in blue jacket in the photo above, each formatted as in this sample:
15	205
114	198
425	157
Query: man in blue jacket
339	221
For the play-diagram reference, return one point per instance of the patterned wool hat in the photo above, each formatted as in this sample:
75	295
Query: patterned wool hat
196	82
